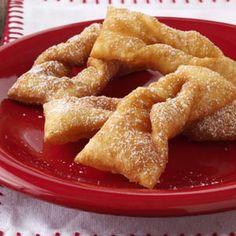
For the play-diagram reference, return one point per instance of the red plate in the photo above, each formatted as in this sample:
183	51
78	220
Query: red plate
200	177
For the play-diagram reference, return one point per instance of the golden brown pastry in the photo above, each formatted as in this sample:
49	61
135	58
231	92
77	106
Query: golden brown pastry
70	119
153	45
75	51
124	145
134	140
47	79
219	126
42	83
93	79
136	27
156	46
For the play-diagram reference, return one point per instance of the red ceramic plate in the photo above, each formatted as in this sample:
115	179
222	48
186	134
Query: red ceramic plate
200	177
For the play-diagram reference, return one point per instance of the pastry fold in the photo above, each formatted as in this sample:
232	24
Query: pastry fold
134	140
76	118
48	78
139	40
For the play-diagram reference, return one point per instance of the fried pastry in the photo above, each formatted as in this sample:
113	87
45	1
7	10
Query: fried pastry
123	144
93	79
48	80
76	118
137	27
153	45
42	83
75	51
150	39
134	140
219	126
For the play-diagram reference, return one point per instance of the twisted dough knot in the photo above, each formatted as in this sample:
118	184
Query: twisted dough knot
134	140
150	44
47	80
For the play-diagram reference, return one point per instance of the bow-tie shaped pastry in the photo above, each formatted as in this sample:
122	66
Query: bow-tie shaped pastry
47	79
140	40
134	140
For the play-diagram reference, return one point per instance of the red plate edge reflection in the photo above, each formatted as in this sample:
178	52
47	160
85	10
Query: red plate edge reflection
113	200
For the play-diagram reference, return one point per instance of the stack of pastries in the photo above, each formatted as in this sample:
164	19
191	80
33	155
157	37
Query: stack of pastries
196	95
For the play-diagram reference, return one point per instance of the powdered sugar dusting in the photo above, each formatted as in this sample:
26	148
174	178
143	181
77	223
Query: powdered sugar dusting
47	78
219	126
76	117
75	51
